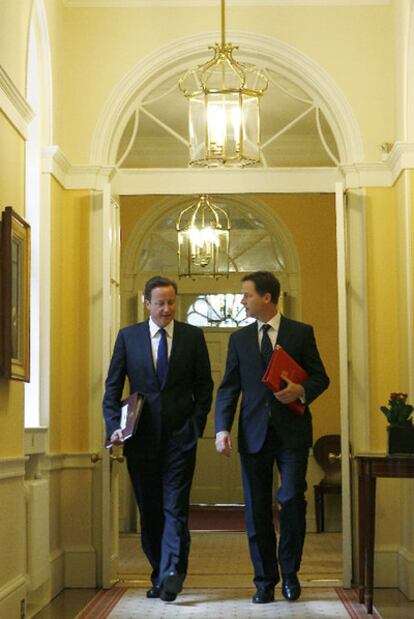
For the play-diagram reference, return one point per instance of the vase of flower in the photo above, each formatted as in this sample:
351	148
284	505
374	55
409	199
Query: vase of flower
400	429
400	440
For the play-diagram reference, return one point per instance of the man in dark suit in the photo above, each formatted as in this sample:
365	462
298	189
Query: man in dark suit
167	361
270	432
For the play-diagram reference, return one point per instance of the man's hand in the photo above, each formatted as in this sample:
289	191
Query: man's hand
117	438
223	443
292	391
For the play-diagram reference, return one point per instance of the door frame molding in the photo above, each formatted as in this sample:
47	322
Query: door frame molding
358	313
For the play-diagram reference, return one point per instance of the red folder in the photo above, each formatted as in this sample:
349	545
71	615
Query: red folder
282	363
131	409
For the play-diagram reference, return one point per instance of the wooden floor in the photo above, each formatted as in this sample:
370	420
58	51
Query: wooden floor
221	559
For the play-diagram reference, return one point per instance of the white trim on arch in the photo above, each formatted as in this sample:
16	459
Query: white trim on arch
260	48
38	20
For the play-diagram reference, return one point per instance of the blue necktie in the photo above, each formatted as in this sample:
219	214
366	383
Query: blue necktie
266	347
162	357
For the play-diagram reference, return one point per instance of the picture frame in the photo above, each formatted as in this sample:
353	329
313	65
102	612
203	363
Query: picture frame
14	296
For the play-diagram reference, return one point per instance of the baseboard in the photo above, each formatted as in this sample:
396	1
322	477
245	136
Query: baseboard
13	598
80	567
386	566
406	572
57	572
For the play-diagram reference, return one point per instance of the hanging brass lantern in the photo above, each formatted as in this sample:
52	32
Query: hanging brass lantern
203	240
224	108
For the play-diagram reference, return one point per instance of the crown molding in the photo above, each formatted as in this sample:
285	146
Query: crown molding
366	174
119	4
13	104
195	180
92	177
400	158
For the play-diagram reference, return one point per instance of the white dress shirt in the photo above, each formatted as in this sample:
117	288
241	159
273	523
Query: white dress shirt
156	336
272	332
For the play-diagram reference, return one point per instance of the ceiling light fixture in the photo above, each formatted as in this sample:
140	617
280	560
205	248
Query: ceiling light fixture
224	108
203	240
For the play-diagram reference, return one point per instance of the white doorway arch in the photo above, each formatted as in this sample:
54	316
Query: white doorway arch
186	51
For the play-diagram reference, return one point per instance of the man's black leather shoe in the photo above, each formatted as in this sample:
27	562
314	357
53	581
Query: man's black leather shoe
154	592
291	588
171	585
264	595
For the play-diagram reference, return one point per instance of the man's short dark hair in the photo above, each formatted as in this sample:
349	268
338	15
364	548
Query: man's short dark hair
264	281
158	282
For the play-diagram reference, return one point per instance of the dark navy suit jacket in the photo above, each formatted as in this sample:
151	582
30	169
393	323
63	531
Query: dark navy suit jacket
178	408
244	371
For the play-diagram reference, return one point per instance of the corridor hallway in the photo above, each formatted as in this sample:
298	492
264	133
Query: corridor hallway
219	585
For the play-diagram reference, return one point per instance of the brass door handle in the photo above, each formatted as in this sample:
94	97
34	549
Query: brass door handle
95	457
117	458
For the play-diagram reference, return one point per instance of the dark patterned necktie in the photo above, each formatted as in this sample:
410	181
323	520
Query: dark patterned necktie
266	347
162	357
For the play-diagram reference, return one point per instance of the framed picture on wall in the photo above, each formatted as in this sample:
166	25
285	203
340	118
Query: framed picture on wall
15	296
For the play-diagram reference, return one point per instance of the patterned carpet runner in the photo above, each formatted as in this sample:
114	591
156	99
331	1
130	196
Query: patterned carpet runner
126	602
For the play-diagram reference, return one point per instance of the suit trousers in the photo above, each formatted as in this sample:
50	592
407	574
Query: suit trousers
162	490
257	474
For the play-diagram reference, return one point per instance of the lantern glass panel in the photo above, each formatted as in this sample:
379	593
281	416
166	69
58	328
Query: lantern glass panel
217	263
222	254
197	128
224	124
250	118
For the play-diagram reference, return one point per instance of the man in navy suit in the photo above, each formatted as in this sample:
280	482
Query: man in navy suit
269	432
167	361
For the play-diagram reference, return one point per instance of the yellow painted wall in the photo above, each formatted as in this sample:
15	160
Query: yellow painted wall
55	12
12	154
402	15
12	159
353	44
387	325
411	233
69	380
383	305
311	222
14	24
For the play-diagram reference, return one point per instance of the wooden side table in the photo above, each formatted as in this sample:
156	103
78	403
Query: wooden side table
371	466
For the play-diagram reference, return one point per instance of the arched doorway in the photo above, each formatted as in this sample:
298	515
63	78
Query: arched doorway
334	125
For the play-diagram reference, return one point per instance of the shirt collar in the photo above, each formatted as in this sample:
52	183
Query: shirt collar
273	322
154	328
